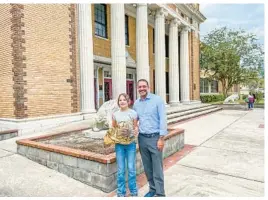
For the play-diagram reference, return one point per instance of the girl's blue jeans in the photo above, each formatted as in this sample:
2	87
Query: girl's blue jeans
126	155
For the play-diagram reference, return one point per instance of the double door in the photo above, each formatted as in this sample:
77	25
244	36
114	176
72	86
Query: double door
108	90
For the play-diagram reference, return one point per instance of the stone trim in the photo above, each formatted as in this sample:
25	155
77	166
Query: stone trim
100	59
18	61
7	134
73	56
8	131
37	124
99	175
31	142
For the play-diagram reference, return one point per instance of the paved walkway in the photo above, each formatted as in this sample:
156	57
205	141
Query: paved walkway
226	159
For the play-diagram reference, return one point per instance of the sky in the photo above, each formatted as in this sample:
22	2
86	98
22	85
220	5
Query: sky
249	17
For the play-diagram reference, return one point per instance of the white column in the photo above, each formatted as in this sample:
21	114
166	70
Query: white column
184	64
160	54
143	69
118	49
173	63
86	58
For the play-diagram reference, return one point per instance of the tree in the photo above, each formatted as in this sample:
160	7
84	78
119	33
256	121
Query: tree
231	57
255	84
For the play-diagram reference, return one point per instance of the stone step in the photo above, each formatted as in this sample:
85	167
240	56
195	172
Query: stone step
187	112
193	115
7	134
183	108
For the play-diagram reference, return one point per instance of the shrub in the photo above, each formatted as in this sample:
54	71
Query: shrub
244	96
207	98
259	96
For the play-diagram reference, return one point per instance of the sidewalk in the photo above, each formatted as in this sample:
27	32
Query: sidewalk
226	159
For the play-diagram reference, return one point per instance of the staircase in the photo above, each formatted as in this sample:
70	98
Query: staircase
184	112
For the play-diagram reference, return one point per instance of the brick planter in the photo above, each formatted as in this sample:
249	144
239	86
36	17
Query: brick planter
93	169
4	135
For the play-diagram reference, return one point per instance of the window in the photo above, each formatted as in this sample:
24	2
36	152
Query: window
129	76
107	74
100	20
208	87
167	45
214	86
126	30
204	85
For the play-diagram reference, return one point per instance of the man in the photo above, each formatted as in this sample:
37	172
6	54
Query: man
152	129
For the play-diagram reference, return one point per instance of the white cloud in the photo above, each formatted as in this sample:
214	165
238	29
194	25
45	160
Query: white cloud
205	6
258	31
234	16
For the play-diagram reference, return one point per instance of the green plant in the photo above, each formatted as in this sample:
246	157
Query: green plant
244	96
259	96
208	98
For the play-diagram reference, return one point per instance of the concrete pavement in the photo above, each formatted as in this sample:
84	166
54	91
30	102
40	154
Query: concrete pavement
228	160
21	177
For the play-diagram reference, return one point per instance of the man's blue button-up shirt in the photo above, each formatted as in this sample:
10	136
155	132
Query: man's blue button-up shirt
151	114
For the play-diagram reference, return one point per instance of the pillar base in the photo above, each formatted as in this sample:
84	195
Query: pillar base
174	104
186	102
191	102
195	102
89	114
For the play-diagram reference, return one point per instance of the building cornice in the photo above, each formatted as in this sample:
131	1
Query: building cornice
177	15
191	11
182	8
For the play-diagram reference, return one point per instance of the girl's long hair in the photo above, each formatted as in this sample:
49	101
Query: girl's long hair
124	95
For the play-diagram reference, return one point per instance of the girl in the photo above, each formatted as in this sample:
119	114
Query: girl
126	120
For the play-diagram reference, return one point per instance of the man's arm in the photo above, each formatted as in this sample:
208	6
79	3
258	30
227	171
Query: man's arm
162	117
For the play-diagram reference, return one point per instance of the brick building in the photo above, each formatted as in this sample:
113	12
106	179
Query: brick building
60	62
214	87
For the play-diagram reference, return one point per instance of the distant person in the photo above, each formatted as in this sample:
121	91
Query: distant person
152	129
254	96
126	120
250	102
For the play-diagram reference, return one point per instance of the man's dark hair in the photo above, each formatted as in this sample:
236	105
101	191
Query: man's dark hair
144	80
